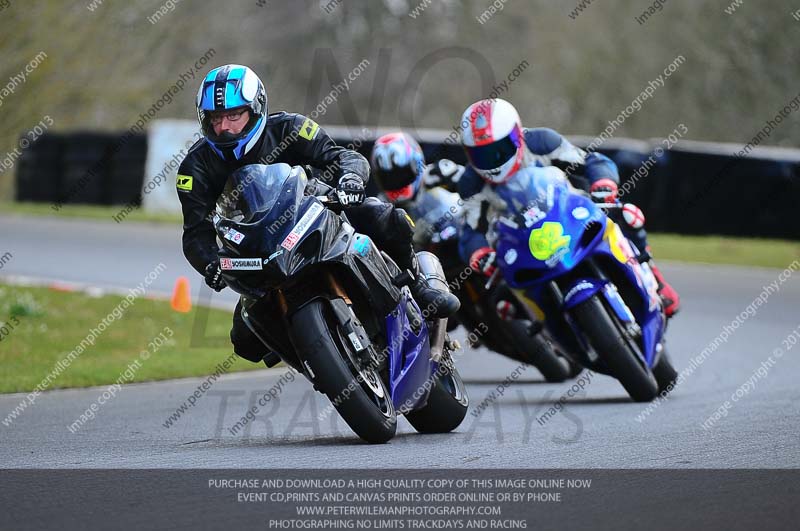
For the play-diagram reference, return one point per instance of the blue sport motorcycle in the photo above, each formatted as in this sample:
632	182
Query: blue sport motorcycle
576	271
334	307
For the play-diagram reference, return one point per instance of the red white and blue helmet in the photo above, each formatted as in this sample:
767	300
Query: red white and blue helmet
491	133
398	166
231	87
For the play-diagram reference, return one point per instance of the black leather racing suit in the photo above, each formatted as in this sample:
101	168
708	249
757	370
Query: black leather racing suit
295	140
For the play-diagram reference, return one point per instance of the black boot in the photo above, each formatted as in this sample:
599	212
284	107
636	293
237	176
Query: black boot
433	302
271	359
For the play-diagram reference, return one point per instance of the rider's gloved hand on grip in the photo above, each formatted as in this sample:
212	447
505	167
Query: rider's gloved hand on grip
350	190
633	216
483	260
213	276
445	173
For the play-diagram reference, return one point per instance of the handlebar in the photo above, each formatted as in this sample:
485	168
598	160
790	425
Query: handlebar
492	279
332	199
329	200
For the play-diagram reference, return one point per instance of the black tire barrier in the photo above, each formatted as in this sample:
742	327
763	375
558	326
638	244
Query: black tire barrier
38	174
82	168
688	189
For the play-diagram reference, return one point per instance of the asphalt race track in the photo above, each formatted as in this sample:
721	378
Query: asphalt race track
597	429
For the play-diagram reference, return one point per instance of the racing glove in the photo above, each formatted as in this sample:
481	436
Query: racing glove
213	276
444	173
483	260
350	190
633	216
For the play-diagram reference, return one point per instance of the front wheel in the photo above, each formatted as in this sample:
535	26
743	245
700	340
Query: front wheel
537	350
447	402
611	342
665	373
358	393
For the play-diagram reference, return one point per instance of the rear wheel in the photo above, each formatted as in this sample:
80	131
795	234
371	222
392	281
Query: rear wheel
447	402
615	348
357	392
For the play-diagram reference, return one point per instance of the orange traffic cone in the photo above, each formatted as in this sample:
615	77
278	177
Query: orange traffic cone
181	300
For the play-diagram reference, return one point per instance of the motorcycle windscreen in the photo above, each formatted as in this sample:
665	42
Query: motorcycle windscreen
252	190
438	210
530	192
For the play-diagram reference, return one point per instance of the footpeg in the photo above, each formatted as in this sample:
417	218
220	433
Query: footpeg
453	345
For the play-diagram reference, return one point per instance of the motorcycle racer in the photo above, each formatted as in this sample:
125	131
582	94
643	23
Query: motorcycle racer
406	181
398	166
238	131
497	146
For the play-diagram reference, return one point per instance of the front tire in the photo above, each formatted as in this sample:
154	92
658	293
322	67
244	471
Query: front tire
359	395
610	341
664	372
447	402
538	351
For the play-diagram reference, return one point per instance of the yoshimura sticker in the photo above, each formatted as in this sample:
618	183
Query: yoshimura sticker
302	226
240	264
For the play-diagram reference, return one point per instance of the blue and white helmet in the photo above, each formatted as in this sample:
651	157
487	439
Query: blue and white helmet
230	87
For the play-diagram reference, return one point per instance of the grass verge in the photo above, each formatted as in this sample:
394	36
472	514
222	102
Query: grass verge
97	212
725	250
40	326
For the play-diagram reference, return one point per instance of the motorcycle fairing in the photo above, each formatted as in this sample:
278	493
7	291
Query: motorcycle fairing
410	365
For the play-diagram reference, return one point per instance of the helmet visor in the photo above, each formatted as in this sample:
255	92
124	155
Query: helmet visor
494	155
206	118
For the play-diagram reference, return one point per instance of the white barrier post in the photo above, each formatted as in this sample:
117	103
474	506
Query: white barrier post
168	142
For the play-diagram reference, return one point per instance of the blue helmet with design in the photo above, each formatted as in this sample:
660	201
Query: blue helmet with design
398	165
227	88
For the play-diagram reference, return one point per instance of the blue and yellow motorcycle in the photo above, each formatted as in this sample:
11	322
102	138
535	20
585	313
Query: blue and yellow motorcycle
573	268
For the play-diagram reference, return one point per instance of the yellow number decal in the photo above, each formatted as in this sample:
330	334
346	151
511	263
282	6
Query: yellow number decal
545	241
